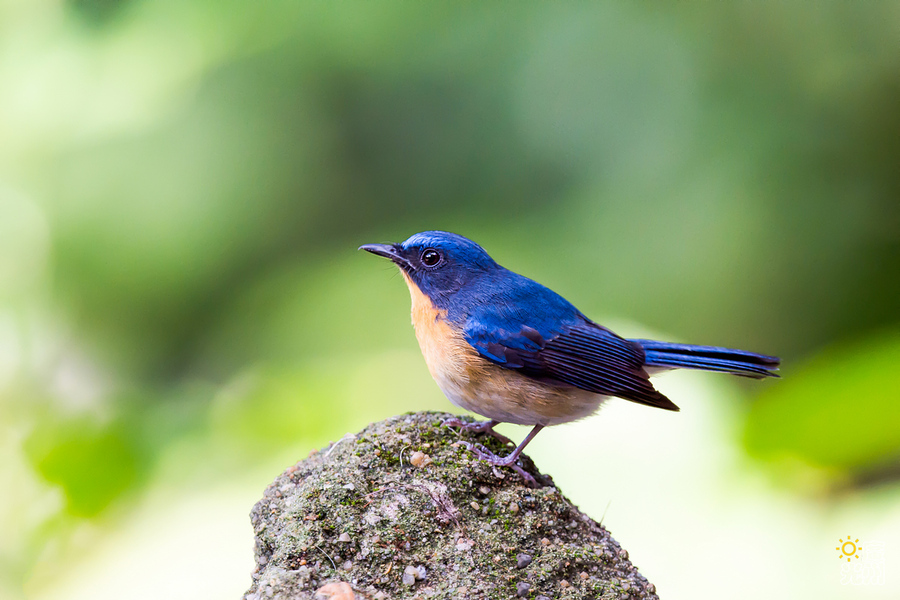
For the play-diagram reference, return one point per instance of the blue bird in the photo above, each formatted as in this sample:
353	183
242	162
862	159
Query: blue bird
507	348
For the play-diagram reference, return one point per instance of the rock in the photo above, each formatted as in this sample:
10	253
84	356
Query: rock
357	521
335	591
419	459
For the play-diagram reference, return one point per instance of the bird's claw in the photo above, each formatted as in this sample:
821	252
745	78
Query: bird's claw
489	457
477	427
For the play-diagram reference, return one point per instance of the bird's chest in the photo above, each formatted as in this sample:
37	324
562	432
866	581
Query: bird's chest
474	383
446	352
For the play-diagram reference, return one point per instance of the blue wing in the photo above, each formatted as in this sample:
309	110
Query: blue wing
531	329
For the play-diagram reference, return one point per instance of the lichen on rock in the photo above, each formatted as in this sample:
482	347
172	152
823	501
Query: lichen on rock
401	510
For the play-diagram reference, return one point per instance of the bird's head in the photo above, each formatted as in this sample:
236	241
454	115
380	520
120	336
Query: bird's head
437	262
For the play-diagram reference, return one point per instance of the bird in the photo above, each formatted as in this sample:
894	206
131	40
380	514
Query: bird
512	350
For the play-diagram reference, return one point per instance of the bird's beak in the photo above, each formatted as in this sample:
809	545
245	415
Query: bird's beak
385	250
388	251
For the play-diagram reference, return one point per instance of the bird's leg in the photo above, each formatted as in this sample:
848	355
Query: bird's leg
478	427
510	460
513	456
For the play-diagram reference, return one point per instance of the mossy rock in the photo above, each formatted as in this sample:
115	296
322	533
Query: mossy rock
401	510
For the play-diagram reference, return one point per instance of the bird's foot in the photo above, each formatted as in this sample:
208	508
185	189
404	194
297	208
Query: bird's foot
510	461
478	427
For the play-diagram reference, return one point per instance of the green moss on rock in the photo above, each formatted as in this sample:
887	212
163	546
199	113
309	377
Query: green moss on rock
370	512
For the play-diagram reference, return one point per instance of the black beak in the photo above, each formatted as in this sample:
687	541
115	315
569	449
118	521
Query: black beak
388	251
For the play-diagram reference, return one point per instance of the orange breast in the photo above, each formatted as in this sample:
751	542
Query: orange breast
474	383
442	345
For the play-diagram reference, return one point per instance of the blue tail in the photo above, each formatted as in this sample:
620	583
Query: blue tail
709	358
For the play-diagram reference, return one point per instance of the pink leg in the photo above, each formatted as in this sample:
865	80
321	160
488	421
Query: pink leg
510	461
478	427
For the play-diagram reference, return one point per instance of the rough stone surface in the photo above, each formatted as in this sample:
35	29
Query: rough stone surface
360	516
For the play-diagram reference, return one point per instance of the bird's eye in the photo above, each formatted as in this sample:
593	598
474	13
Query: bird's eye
430	257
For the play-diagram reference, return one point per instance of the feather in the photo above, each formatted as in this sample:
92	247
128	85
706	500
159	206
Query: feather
583	355
709	358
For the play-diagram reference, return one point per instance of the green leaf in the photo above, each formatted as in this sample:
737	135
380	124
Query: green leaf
92	463
839	412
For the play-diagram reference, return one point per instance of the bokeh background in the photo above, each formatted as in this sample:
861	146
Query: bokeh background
183	312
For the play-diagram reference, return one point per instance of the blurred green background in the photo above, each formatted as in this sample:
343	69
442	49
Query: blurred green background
183	312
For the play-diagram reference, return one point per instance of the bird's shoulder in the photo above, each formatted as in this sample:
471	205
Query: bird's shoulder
508	306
